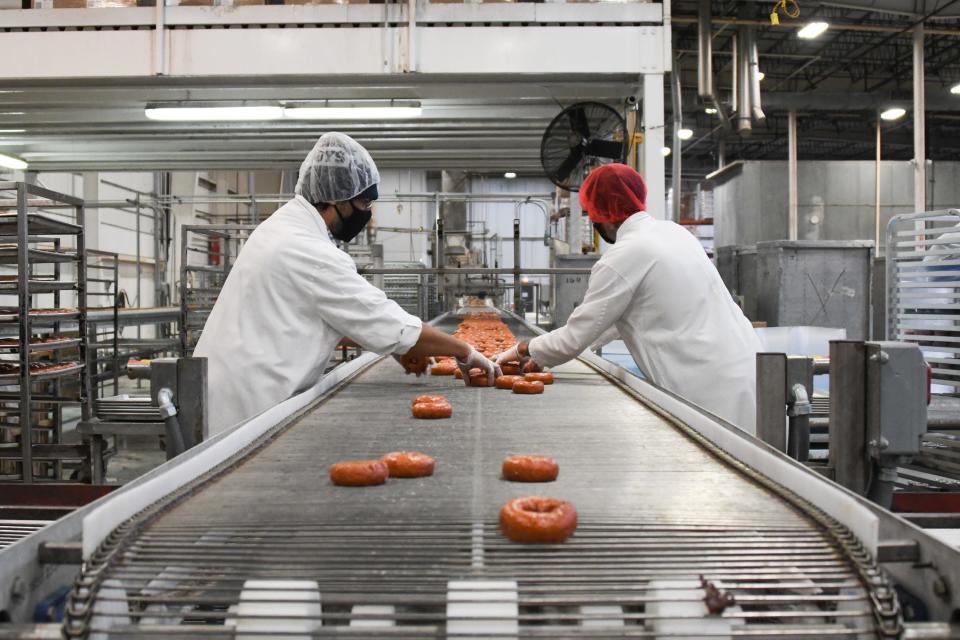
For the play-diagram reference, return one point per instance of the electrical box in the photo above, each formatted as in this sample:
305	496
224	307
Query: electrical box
896	398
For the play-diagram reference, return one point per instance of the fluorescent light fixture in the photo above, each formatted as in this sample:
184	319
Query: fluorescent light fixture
812	30
352	113
761	75
13	113
955	89
893	113
710	111
10	162
665	151
13	130
685	134
214	114
510	175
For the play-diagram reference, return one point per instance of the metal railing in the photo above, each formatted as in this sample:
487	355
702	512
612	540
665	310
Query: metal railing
923	288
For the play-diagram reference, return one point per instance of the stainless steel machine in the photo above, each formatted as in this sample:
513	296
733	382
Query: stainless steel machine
244	535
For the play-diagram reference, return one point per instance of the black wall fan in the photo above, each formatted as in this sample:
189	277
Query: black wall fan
584	135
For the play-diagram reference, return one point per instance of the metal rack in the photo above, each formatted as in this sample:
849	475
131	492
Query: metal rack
47	260
207	253
923	289
103	350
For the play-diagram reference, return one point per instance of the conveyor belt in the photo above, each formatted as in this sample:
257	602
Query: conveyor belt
409	559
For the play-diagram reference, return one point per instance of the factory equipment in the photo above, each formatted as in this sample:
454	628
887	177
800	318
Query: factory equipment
802	283
877	405
569	289
174	408
244	535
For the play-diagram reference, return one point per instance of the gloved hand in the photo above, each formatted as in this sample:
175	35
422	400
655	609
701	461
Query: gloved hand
510	355
476	360
414	364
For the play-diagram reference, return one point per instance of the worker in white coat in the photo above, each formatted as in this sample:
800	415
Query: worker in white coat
657	288
293	294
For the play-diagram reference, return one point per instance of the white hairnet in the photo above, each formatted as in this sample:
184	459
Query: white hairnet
336	169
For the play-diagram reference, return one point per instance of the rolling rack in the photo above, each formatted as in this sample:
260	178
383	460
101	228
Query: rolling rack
207	253
103	348
43	370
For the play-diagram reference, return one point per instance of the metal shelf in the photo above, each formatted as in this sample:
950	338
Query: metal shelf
9	315
12	344
41	375
8	255
38	286
38	223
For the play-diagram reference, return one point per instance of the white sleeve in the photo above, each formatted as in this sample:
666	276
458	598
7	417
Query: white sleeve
357	309
606	337
608	295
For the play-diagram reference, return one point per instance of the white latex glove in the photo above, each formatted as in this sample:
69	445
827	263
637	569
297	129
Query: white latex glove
510	355
476	360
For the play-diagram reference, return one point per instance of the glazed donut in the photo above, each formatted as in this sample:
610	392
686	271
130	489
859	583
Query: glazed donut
528	469
445	368
532	367
510	368
506	382
543	376
422	399
409	464
432	410
480	379
536	519
458	374
414	364
529	387
359	473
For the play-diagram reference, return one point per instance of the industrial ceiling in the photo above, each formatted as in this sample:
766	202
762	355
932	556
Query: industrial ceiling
490	123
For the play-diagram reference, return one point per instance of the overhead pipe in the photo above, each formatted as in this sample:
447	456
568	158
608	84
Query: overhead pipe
704	52
705	85
754	64
744	107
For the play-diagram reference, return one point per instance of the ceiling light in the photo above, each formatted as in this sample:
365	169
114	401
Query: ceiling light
510	175
893	113
955	89
10	162
13	130
351	113
710	111
214	114
812	30
761	75
665	151
685	134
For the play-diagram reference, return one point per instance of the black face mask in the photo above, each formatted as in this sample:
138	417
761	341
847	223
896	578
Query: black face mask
603	234
351	227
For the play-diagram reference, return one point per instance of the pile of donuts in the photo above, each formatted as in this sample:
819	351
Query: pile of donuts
489	335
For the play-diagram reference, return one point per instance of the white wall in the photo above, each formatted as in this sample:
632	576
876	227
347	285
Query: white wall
388	212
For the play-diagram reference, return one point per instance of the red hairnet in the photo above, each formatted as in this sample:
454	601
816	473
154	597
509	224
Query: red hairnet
612	193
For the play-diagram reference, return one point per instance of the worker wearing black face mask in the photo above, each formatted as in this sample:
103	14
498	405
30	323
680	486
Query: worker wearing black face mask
292	295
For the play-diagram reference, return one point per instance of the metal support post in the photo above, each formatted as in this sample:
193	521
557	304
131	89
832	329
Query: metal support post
677	168
653	160
771	399
516	265
799	393
792	195
919	124
23	271
848	414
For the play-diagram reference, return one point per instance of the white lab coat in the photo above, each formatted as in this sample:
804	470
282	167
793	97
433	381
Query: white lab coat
658	289
289	299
